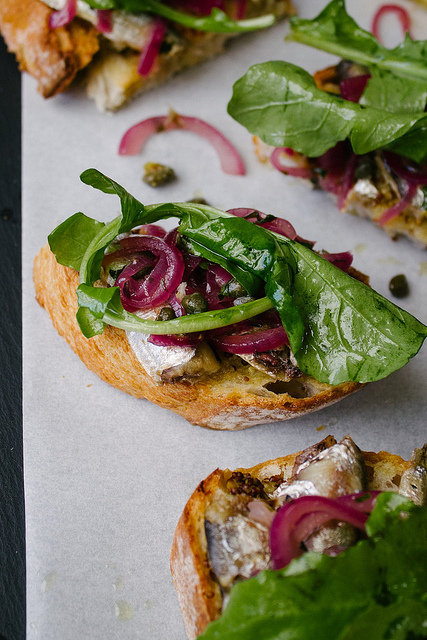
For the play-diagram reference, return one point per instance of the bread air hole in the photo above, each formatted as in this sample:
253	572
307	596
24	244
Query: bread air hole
294	388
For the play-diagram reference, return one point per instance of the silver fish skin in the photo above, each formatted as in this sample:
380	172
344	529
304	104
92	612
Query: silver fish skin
338	469
238	548
413	484
156	359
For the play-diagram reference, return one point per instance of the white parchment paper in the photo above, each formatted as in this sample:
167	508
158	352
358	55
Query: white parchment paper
107	475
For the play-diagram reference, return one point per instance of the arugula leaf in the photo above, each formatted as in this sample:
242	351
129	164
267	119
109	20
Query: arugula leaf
339	329
378	586
394	93
251	283
281	104
217	22
334	31
70	239
354	332
100	309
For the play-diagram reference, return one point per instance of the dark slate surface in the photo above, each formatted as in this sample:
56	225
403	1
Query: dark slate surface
12	543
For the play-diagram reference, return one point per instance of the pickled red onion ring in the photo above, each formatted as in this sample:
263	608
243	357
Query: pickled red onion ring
263	340
135	137
165	276
347	181
341	260
177	340
278	225
63	16
152	47
396	210
297	172
104	23
295	521
352	88
411	172
202	7
401	13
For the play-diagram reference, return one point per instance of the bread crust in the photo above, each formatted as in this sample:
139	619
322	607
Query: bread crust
52	57
224	400
55	56
198	593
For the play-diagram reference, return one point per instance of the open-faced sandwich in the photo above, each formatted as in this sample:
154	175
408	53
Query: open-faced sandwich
357	130
124	46
326	544
229	320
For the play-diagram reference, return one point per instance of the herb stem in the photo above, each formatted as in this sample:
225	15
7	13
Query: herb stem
188	324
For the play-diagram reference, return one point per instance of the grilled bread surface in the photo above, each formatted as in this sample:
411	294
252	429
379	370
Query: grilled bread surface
235	397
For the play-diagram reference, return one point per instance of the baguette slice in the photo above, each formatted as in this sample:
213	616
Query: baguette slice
198	592
367	198
55	57
235	397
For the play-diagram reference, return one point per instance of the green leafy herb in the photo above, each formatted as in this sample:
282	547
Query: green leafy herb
281	104
70	240
334	31
376	589
217	21
339	329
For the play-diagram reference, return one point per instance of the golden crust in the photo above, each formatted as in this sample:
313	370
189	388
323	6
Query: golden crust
198	593
194	581
53	57
225	400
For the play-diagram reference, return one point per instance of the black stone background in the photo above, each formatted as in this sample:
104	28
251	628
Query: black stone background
12	524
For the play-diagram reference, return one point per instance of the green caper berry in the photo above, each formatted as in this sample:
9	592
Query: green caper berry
194	303
114	273
156	174
198	200
233	289
166	313
399	286
242	300
142	273
348	69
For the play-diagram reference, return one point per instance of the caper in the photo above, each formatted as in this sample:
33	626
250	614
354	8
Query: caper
365	168
194	303
349	69
114	273
198	200
142	273
243	300
233	289
166	313
156	174
399	286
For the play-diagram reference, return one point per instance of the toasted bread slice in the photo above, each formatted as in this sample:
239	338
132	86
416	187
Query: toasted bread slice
199	594
234	397
55	56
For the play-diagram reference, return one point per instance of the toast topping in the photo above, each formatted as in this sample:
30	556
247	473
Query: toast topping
414	480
